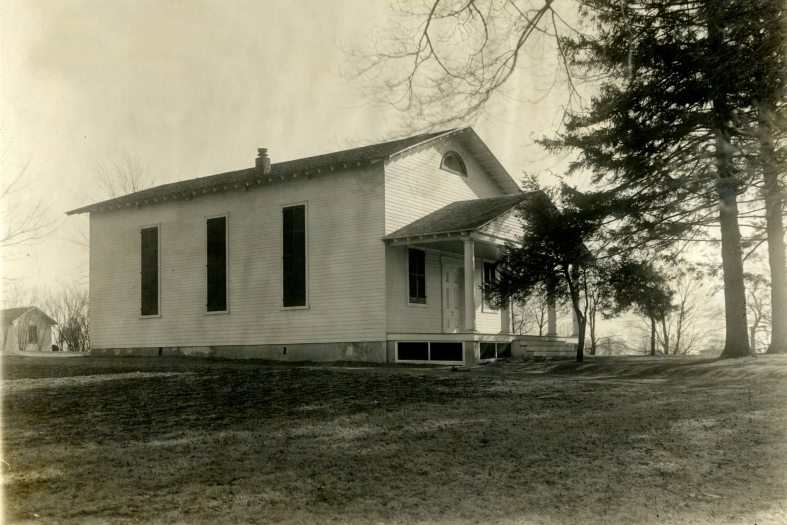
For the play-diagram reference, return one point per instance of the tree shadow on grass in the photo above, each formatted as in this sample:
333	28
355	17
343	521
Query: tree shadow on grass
268	444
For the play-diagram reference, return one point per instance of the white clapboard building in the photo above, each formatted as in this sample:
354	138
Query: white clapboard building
377	253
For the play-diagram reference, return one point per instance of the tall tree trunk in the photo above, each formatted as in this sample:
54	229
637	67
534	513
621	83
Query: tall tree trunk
652	335
571	276
591	321
736	343
775	231
679	326
665	334
582	322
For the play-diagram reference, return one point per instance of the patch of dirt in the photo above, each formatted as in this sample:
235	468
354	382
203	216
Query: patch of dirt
613	440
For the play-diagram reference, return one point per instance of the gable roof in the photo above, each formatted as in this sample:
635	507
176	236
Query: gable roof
242	179
460	216
9	315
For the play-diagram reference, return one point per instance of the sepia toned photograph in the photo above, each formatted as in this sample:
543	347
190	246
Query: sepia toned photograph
393	262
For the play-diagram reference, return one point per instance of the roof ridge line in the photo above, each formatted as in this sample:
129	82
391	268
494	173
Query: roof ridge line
441	135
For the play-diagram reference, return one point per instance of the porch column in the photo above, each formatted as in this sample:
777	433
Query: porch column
574	323
551	313
505	319
469	285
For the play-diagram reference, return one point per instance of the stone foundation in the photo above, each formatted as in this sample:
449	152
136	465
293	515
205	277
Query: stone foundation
367	351
544	350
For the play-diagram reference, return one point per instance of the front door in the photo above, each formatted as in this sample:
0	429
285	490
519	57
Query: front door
453	297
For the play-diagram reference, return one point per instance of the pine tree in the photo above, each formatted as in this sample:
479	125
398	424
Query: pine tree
665	132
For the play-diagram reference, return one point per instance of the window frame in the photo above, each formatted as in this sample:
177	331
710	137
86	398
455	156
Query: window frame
157	226
428	359
32	328
497	350
306	298
485	307
226	217
425	303
452	153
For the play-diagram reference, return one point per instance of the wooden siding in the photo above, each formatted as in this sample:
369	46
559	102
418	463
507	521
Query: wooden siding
508	226
17	331
416	186
486	321
428	319
345	269
401	316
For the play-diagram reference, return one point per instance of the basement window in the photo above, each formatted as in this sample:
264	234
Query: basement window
429	352
495	350
453	162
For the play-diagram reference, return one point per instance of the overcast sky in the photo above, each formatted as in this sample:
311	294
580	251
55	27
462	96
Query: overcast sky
193	88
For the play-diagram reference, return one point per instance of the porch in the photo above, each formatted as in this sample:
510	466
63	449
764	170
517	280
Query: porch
437	268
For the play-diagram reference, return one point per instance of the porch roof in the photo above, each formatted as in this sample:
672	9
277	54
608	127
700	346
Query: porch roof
460	217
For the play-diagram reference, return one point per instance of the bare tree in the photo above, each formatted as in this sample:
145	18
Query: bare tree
593	306
446	58
69	307
26	218
694	317
529	317
126	174
759	309
614	345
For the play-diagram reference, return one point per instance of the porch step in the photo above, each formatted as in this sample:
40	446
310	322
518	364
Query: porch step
543	349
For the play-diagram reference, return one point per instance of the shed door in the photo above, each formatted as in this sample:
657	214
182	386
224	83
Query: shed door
453	279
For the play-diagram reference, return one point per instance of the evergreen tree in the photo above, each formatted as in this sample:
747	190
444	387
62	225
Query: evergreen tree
665	132
693	94
551	259
638	285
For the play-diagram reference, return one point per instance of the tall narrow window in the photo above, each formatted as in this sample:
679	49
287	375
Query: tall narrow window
149	281
217	264
416	265
294	256
490	277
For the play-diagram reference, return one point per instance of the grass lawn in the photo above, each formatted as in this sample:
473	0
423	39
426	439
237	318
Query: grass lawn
616	440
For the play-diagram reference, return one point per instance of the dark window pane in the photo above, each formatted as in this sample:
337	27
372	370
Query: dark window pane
32	334
417	275
490	272
488	350
412	351
217	264
446	351
503	349
294	256
490	276
149	271
452	162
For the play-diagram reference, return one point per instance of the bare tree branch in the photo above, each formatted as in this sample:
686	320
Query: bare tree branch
26	218
462	54
124	175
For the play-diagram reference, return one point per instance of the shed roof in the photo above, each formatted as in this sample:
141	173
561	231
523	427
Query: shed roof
9	315
341	159
460	216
